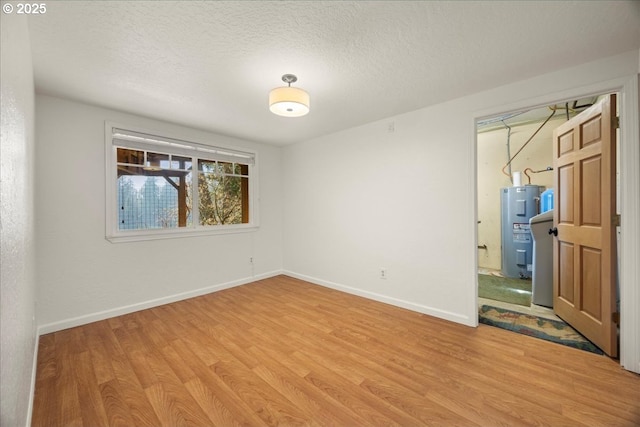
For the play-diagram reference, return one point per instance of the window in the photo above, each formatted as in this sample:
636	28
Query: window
160	187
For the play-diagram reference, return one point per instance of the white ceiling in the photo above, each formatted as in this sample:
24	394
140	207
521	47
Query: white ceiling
210	65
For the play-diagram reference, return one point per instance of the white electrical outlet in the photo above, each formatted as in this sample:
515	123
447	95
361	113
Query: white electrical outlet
383	273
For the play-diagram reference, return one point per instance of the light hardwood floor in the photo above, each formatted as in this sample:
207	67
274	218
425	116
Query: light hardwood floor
285	352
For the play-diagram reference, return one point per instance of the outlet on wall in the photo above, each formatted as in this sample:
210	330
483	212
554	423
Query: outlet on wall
383	273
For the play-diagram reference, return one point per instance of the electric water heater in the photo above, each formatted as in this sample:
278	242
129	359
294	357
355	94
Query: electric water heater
518	205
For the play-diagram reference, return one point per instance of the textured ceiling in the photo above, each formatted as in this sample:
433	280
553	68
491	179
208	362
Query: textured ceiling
210	65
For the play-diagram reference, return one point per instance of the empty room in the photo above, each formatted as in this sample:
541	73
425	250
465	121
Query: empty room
221	213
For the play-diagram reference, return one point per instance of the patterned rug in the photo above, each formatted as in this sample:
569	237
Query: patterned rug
546	329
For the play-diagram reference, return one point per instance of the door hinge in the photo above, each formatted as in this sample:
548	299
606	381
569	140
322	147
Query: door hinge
616	122
615	318
615	220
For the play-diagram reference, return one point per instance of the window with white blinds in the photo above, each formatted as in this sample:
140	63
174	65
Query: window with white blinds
160	187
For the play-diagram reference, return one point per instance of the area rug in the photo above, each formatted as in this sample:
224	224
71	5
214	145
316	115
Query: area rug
514	291
546	329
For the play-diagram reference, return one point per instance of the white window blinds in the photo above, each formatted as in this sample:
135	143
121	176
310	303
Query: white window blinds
147	142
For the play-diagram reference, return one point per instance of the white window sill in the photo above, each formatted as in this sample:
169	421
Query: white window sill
136	236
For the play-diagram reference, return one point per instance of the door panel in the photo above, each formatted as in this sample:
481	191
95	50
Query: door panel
591	288
565	187
584	249
591	131
591	200
566	272
565	143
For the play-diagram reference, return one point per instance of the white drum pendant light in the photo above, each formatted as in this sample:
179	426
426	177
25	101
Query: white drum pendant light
289	101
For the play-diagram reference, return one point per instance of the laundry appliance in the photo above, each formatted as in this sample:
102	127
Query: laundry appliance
542	282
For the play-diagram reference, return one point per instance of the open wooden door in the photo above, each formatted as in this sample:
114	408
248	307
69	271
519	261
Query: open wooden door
584	250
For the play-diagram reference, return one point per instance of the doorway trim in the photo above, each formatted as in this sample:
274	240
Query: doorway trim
629	273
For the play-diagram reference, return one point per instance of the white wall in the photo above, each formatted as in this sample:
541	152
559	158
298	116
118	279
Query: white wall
17	278
367	198
83	277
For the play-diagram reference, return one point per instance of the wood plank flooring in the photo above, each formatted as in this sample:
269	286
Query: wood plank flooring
285	352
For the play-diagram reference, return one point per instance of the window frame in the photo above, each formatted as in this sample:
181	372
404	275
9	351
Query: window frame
114	234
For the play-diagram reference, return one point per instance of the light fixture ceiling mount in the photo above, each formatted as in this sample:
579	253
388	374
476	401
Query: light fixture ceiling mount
289	78
289	101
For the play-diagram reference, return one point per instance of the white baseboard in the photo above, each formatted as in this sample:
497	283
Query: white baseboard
106	314
431	311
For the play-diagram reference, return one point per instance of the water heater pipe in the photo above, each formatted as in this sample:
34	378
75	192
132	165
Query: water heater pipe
508	145
525	144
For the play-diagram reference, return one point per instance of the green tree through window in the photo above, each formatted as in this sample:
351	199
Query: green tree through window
176	186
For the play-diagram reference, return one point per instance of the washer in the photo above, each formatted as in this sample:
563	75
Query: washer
542	283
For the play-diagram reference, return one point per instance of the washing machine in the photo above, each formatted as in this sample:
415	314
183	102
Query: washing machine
542	277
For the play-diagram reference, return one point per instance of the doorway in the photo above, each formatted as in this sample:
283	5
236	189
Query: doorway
515	153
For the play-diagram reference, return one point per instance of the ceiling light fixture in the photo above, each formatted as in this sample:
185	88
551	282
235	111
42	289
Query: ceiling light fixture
289	101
